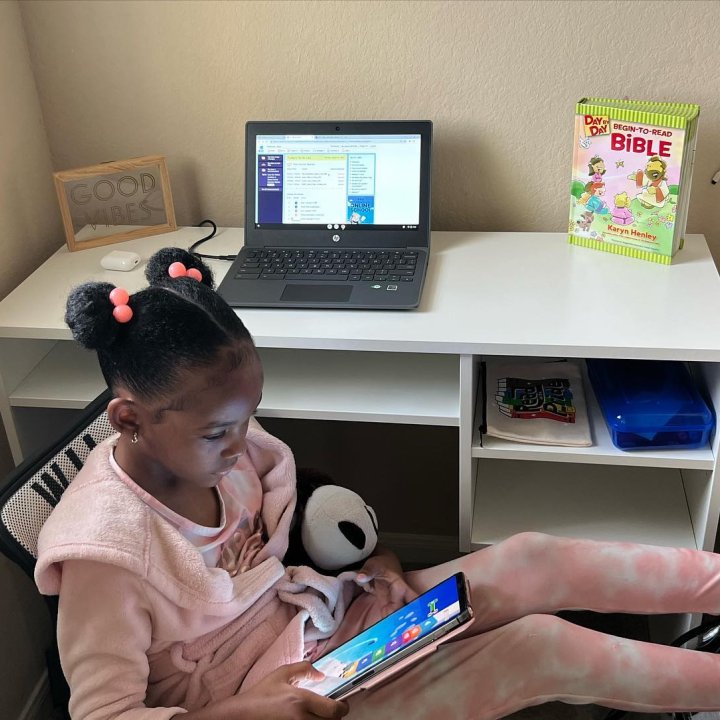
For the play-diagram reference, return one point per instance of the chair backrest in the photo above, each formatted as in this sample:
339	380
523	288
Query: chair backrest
34	488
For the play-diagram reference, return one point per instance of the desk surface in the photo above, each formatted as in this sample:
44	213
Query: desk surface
486	293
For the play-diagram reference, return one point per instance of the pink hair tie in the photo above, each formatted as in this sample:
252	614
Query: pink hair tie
122	312
177	269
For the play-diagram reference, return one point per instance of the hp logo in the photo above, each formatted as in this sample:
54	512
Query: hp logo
336	238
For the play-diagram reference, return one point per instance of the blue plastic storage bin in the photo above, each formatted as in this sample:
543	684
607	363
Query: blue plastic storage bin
650	404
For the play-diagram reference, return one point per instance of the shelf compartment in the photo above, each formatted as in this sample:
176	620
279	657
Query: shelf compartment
602	451
311	384
67	377
646	505
414	389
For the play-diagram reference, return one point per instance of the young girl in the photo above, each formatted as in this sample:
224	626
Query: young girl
166	552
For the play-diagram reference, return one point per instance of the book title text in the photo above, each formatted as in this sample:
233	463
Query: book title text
641	140
596	125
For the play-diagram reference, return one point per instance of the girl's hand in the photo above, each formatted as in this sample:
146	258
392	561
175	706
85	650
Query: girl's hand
382	575
276	697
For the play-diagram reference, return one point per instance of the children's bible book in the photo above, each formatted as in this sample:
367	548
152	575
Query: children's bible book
632	167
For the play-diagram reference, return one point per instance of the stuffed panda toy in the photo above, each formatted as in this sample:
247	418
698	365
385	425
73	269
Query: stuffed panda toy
332	528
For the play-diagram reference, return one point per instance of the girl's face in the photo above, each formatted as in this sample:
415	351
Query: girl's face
199	438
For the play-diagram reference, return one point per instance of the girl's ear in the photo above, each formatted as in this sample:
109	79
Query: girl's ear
123	415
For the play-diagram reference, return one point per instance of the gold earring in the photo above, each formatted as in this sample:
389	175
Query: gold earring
134	438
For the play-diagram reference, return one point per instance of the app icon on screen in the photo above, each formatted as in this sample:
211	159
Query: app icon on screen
350	670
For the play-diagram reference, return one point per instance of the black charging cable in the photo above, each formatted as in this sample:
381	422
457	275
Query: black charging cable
192	250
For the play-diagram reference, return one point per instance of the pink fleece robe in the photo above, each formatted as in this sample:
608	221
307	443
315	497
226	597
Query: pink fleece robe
144	623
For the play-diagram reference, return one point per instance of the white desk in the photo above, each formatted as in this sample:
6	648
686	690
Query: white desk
487	294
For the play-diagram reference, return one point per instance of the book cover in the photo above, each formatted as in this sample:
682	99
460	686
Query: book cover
631	176
542	403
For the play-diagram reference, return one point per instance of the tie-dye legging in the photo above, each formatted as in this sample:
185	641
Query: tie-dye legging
517	654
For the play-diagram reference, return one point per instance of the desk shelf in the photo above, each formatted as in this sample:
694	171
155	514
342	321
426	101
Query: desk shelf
647	505
661	497
308	384
602	451
67	377
407	388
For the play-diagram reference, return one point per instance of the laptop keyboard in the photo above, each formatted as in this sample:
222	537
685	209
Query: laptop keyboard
320	264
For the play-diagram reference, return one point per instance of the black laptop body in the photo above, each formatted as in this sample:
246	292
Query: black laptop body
337	215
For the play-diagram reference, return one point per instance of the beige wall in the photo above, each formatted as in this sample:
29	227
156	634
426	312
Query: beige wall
31	231
28	208
118	79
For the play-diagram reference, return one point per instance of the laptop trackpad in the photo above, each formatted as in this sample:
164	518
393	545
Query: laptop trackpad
316	293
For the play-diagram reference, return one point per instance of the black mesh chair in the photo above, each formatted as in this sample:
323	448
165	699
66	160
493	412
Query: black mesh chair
28	497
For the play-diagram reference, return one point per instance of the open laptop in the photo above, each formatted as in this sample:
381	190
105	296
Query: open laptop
337	215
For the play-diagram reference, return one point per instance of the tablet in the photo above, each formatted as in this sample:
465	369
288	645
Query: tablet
402	638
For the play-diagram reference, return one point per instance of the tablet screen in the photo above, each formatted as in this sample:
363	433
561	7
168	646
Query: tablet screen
421	619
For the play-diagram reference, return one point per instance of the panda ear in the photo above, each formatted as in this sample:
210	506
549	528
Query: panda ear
373	517
307	481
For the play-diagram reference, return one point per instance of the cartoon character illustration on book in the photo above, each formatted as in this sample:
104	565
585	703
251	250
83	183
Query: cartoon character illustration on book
592	198
587	192
596	168
585	220
621	214
652	186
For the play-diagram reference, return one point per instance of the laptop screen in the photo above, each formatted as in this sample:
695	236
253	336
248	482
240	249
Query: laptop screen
332	181
363	182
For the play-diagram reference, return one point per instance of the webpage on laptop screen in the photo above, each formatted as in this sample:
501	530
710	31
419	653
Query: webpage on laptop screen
335	181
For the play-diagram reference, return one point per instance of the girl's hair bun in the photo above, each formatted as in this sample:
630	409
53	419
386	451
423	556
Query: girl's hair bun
89	314
158	265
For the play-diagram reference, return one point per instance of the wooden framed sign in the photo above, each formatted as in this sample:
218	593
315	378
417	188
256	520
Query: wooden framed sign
115	201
